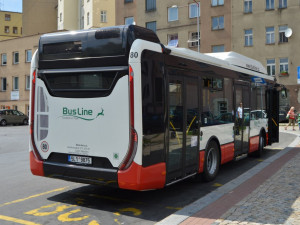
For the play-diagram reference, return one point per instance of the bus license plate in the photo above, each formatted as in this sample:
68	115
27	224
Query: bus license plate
80	159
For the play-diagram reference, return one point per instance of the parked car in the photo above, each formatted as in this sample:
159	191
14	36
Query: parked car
9	116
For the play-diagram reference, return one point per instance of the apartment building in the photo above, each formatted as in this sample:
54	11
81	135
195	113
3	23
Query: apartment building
15	72
10	25
175	22
39	16
126	12
86	14
268	31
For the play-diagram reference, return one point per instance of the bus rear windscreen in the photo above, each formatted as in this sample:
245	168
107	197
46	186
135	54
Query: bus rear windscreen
81	81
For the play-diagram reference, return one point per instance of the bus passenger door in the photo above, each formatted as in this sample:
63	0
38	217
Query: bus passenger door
273	115
242	119
183	127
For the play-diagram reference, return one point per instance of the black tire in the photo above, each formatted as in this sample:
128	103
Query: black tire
261	146
25	122
3	123
211	162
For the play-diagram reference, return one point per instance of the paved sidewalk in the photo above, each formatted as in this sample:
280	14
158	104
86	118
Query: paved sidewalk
267	194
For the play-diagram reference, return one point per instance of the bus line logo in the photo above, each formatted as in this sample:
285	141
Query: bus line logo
81	113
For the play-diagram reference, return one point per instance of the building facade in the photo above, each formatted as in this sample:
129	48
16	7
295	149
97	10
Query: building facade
176	24
85	14
10	25
39	16
15	72
259	32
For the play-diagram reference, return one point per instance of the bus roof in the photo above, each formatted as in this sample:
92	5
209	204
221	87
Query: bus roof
229	60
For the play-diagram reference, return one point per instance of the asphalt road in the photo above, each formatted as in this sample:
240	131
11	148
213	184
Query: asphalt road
30	200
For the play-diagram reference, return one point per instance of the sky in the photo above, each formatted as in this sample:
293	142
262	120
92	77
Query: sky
11	5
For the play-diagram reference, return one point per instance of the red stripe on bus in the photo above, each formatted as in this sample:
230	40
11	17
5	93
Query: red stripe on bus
138	178
253	143
227	153
201	161
36	166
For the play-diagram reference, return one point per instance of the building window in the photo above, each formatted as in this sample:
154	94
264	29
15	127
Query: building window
217	2
282	37
284	66
270	35
271	67
193	10
194	39
16	57
15	83
127	1
103	18
3	59
27	83
15	30
173	40
6	29
88	18
151	25
28	54
7	17
247	6
150	5
282	4
129	20
218	48
3	84
172	14
248	37
217	23
269	4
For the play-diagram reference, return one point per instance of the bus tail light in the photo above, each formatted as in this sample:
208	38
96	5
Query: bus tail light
33	83
133	134
131	151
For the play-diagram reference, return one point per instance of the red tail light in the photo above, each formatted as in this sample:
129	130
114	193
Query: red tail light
133	135
36	153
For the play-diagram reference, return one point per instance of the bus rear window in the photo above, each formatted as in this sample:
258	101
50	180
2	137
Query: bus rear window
75	84
81	81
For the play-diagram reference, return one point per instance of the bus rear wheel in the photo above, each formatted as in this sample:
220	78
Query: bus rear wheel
211	162
3	123
261	146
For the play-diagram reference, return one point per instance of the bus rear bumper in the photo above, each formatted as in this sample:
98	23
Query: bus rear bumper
141	178
81	174
36	166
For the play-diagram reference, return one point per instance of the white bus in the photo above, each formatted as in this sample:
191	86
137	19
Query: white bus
114	106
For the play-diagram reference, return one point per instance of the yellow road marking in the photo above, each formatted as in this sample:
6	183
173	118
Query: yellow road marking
15	220
116	221
217	185
94	222
59	208
33	196
65	217
136	212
